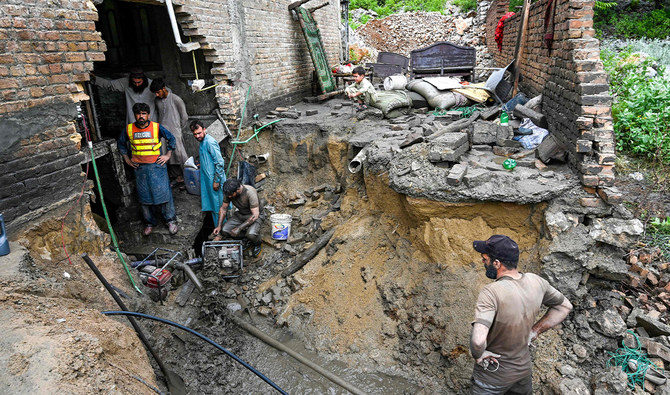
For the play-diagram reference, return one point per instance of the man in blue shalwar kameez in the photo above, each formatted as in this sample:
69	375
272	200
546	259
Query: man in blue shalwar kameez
143	139
212	173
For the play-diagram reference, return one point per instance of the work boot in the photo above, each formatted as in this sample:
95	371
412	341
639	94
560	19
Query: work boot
256	251
172	227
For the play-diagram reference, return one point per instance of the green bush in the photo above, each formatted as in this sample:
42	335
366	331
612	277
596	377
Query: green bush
466	5
655	24
384	8
640	108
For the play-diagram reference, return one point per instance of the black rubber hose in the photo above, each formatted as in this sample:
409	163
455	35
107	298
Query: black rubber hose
203	337
175	383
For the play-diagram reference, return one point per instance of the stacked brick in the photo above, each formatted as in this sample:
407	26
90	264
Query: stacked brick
259	42
48	48
572	81
38	172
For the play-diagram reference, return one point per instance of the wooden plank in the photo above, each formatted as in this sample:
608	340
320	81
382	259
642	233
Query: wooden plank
520	44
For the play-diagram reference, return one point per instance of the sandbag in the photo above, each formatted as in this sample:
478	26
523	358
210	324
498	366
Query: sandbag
418	101
394	82
388	101
436	99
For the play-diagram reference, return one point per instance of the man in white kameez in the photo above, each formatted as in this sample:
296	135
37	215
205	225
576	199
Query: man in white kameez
172	115
136	88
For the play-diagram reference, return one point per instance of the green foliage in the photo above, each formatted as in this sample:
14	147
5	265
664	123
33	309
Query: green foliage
513	4
603	5
466	5
661	226
384	8
655	24
641	118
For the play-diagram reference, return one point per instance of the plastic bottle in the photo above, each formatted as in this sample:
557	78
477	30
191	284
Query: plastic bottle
504	118
4	242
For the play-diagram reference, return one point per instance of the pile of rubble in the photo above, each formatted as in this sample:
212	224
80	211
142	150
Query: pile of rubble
401	33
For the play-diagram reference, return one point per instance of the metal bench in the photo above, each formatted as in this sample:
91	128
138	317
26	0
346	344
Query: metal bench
388	63
444	59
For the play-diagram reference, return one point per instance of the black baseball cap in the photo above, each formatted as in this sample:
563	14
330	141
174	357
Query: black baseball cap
498	246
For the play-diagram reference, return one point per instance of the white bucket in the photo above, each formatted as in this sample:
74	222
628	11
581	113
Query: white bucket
393	82
281	226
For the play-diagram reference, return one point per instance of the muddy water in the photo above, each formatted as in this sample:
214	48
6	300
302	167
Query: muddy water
207	370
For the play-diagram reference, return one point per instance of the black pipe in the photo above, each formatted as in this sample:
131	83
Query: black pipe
173	379
203	337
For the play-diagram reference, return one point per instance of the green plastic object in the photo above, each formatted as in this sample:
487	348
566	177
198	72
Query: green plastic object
504	118
509	164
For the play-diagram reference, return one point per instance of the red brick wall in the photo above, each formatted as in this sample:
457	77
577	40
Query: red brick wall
48	49
571	79
257	41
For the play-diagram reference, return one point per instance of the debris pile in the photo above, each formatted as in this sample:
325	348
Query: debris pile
401	33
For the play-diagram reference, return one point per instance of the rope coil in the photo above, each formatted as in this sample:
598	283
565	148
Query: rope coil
622	356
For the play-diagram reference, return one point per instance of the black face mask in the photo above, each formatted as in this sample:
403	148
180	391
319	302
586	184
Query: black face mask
491	271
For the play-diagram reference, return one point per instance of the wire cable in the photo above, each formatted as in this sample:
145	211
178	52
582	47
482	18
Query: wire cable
239	130
109	223
203	337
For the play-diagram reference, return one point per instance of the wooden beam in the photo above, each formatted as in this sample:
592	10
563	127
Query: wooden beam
520	45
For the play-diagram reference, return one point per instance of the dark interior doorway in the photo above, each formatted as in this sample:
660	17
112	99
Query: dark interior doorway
140	34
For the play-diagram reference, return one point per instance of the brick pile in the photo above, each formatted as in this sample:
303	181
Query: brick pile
572	81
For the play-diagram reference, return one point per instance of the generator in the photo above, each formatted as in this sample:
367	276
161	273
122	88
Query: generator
155	271
226	255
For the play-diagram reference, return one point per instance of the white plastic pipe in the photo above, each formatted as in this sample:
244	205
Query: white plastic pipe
356	164
184	47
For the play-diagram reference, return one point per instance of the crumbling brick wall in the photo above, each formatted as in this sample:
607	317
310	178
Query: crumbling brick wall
571	79
258	42
48	49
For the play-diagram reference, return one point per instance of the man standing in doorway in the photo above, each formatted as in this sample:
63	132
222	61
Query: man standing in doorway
504	324
212	172
173	117
247	217
136	88
151	178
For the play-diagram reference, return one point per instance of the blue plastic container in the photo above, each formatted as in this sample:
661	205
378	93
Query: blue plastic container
4	243
192	180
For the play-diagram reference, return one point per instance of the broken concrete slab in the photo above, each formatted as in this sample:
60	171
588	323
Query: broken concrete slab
482	133
653	326
618	232
457	173
503	133
448	147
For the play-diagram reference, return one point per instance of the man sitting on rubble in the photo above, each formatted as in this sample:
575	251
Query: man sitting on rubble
247	217
151	177
361	91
